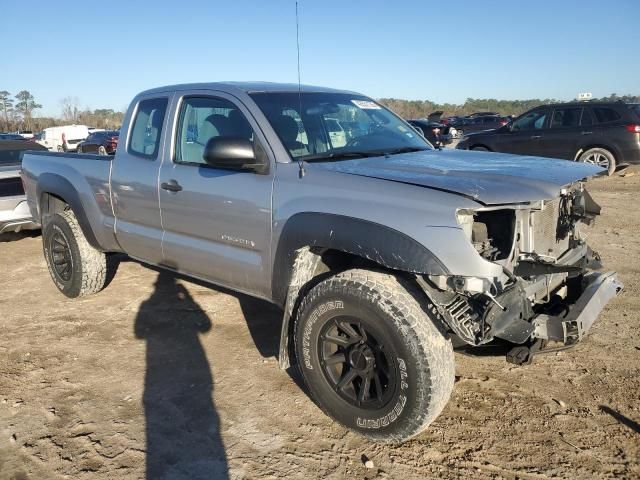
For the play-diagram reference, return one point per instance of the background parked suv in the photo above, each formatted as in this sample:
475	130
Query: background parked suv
606	134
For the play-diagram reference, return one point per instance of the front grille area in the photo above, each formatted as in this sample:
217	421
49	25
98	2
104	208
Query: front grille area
545	231
10	187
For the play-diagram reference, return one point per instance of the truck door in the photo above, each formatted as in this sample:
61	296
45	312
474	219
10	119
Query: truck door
134	180
217	223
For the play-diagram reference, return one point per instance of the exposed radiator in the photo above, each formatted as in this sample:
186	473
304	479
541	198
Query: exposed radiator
545	231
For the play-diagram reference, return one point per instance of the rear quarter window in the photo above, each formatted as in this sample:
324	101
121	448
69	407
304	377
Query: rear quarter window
605	115
146	128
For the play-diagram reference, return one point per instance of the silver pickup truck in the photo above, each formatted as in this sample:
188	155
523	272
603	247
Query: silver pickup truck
383	252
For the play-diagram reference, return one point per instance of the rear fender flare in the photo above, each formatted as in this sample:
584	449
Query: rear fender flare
53	184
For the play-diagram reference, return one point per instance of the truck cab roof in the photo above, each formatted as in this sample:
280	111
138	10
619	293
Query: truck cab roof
246	87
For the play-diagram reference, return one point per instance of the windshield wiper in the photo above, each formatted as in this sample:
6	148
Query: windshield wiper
331	157
404	150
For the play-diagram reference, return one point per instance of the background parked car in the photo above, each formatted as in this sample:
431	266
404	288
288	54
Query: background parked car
103	142
11	136
604	133
483	122
437	133
14	211
482	114
65	138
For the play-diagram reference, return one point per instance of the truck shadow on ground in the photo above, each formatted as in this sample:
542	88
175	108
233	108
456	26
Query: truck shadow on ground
182	426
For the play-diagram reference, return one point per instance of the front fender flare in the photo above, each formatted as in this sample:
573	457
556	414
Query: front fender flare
372	241
295	263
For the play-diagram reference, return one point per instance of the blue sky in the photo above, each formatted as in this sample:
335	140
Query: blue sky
105	52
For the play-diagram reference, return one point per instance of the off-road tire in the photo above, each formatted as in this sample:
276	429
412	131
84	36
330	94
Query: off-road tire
596	153
88	266
400	314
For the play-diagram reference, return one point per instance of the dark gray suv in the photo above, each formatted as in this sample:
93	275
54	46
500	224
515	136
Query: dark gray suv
606	134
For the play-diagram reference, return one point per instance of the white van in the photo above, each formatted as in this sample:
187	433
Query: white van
65	138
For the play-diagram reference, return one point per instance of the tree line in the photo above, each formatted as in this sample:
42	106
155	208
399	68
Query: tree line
422	108
17	113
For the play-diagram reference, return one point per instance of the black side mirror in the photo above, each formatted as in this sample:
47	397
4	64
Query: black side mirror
233	153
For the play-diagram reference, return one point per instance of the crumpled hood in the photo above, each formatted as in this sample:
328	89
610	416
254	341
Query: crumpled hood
487	177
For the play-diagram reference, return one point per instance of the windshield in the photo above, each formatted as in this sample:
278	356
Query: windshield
331	126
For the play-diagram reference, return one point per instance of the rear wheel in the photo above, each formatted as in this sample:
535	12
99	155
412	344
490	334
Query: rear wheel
372	357
77	269
479	149
600	157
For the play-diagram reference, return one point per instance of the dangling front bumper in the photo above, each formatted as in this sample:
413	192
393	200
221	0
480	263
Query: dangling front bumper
599	289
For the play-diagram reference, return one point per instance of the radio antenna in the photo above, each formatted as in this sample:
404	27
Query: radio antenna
301	172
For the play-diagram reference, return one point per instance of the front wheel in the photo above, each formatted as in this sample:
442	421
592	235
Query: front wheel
600	157
77	269
371	356
480	149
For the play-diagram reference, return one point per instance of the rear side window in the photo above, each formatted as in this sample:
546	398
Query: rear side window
10	156
147	128
566	117
605	115
586	119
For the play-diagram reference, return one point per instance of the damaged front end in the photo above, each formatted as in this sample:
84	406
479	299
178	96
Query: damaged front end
548	288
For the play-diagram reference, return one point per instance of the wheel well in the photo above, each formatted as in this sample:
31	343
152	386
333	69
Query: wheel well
608	148
51	204
312	266
480	145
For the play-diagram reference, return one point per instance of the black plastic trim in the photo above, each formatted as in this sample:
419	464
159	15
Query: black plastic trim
61	187
378	243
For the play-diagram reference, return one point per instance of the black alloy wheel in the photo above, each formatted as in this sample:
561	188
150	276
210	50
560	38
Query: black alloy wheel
61	258
356	364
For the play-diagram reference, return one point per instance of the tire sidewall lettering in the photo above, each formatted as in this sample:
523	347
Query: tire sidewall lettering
308	328
396	411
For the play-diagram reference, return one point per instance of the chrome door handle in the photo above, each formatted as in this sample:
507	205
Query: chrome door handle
586	133
535	137
171	186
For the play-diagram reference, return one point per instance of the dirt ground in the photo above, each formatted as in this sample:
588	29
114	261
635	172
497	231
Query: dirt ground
166	378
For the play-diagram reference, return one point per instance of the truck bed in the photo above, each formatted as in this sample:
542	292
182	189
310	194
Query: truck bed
86	179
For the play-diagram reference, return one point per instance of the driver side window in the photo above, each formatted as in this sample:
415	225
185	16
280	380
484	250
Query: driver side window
530	121
205	118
